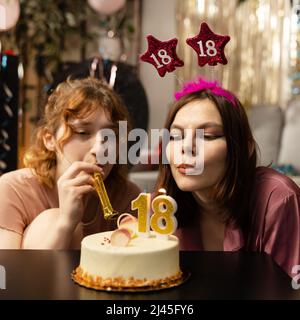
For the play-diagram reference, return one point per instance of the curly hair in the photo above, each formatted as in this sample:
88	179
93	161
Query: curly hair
72	99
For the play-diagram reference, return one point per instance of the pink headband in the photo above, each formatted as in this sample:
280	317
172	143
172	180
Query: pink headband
202	84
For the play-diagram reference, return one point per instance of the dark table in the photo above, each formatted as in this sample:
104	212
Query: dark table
45	274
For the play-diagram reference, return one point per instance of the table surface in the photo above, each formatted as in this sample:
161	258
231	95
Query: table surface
45	274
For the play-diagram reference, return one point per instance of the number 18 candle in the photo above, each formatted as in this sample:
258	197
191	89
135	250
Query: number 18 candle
162	222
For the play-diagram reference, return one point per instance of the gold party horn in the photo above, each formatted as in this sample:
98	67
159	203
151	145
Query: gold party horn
108	211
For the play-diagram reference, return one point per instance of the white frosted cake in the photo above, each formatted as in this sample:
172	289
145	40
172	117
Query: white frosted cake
143	262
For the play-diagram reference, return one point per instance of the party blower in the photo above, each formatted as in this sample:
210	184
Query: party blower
108	211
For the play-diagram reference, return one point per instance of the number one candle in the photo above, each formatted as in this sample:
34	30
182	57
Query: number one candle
142	204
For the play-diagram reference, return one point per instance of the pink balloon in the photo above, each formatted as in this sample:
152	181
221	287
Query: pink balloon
106	6
9	14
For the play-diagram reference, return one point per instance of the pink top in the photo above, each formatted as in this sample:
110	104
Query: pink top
23	198
275	222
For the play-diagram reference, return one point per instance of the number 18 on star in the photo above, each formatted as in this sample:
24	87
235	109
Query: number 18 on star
162	55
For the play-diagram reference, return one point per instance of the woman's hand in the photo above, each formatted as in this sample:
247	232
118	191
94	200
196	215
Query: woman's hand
56	228
73	187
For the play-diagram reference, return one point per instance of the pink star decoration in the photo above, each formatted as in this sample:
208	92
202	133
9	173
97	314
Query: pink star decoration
162	55
209	46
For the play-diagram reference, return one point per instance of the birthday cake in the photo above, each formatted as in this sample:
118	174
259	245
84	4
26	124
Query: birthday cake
144	262
133	256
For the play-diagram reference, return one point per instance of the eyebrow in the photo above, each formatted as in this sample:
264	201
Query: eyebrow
84	123
202	126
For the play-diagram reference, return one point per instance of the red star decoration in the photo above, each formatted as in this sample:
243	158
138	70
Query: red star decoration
162	55
211	48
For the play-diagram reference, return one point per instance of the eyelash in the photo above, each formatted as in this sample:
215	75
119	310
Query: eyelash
211	137
82	133
206	137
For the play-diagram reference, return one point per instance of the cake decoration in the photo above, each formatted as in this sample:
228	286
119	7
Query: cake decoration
120	237
162	55
127	229
143	204
209	46
105	241
129	222
162	222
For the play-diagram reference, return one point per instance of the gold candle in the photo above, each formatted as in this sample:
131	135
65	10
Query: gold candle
108	210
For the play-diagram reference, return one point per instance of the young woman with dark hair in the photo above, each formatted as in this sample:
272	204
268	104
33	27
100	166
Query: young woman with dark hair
233	204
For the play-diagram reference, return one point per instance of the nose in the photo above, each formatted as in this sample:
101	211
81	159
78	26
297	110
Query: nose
188	145
93	150
95	145
188	150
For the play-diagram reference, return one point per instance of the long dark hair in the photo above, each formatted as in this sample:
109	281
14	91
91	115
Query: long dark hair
234	190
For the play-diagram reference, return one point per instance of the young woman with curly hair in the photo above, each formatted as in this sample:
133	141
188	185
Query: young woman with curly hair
52	203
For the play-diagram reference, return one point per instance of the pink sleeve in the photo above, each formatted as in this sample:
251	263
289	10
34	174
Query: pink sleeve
11	208
282	232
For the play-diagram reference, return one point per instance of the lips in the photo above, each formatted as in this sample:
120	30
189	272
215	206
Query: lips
186	169
185	166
